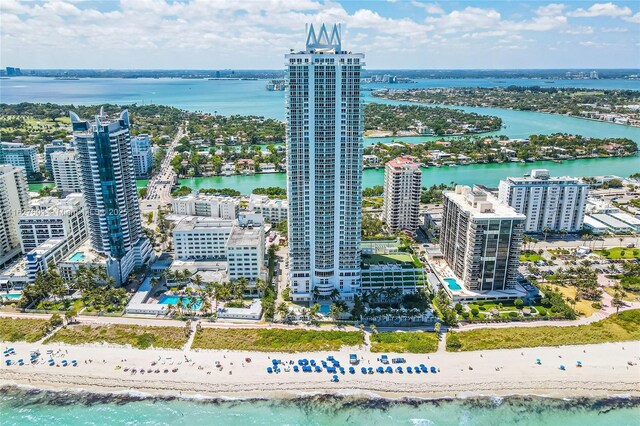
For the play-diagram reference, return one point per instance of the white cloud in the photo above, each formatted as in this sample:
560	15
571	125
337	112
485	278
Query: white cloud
579	30
467	19
601	9
635	18
551	9
614	30
431	8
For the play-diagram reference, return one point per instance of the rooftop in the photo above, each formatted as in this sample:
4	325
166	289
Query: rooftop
52	206
541	176
85	254
244	236
480	204
403	164
190	223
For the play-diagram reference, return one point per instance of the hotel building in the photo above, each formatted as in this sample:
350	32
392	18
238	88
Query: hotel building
324	166
552	203
481	239
402	185
109	187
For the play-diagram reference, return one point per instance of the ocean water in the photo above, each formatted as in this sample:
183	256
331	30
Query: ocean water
21	407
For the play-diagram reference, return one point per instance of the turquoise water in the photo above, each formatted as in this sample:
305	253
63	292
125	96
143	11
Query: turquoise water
174	300
21	407
77	257
485	174
452	284
13	296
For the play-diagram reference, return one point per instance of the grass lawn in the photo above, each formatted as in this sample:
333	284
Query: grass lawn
631	296
617	328
619	253
583	306
17	329
60	306
530	257
138	336
275	340
414	342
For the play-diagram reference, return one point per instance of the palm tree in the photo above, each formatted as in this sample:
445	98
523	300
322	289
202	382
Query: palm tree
316	293
206	306
334	294
197	280
546	231
336	310
283	310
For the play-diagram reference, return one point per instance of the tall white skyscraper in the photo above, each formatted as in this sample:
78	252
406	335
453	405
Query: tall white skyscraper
324	166
109	188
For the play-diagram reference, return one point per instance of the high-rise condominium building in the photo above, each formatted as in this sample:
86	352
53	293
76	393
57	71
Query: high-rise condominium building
552	204
142	155
14	199
55	146
324	166
109	187
66	172
218	206
402	183
481	239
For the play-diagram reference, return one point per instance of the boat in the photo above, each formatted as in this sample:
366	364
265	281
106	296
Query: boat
66	78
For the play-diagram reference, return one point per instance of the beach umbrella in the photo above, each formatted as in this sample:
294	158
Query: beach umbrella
364	370
562	367
409	370
538	361
578	364
335	378
269	370
434	370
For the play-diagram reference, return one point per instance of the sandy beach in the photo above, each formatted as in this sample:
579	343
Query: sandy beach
605	372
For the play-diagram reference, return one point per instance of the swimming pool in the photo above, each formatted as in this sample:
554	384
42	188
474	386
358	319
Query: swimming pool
12	296
174	300
452	284
325	309
77	257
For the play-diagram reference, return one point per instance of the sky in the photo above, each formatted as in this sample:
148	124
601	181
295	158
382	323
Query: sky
255	34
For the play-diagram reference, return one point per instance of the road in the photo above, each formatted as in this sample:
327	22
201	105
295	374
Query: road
159	186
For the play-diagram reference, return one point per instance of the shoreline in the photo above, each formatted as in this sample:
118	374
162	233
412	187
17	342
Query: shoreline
497	373
507	109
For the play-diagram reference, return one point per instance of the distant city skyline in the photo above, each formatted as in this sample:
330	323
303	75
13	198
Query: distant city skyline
251	34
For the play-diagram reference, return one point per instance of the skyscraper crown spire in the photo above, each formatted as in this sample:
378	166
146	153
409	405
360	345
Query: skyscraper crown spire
323	41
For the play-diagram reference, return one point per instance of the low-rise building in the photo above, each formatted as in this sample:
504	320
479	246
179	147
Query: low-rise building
392	271
273	210
215	206
50	217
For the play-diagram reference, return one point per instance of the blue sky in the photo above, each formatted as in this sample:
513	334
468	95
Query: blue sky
251	34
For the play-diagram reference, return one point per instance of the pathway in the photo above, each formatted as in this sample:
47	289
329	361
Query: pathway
187	346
